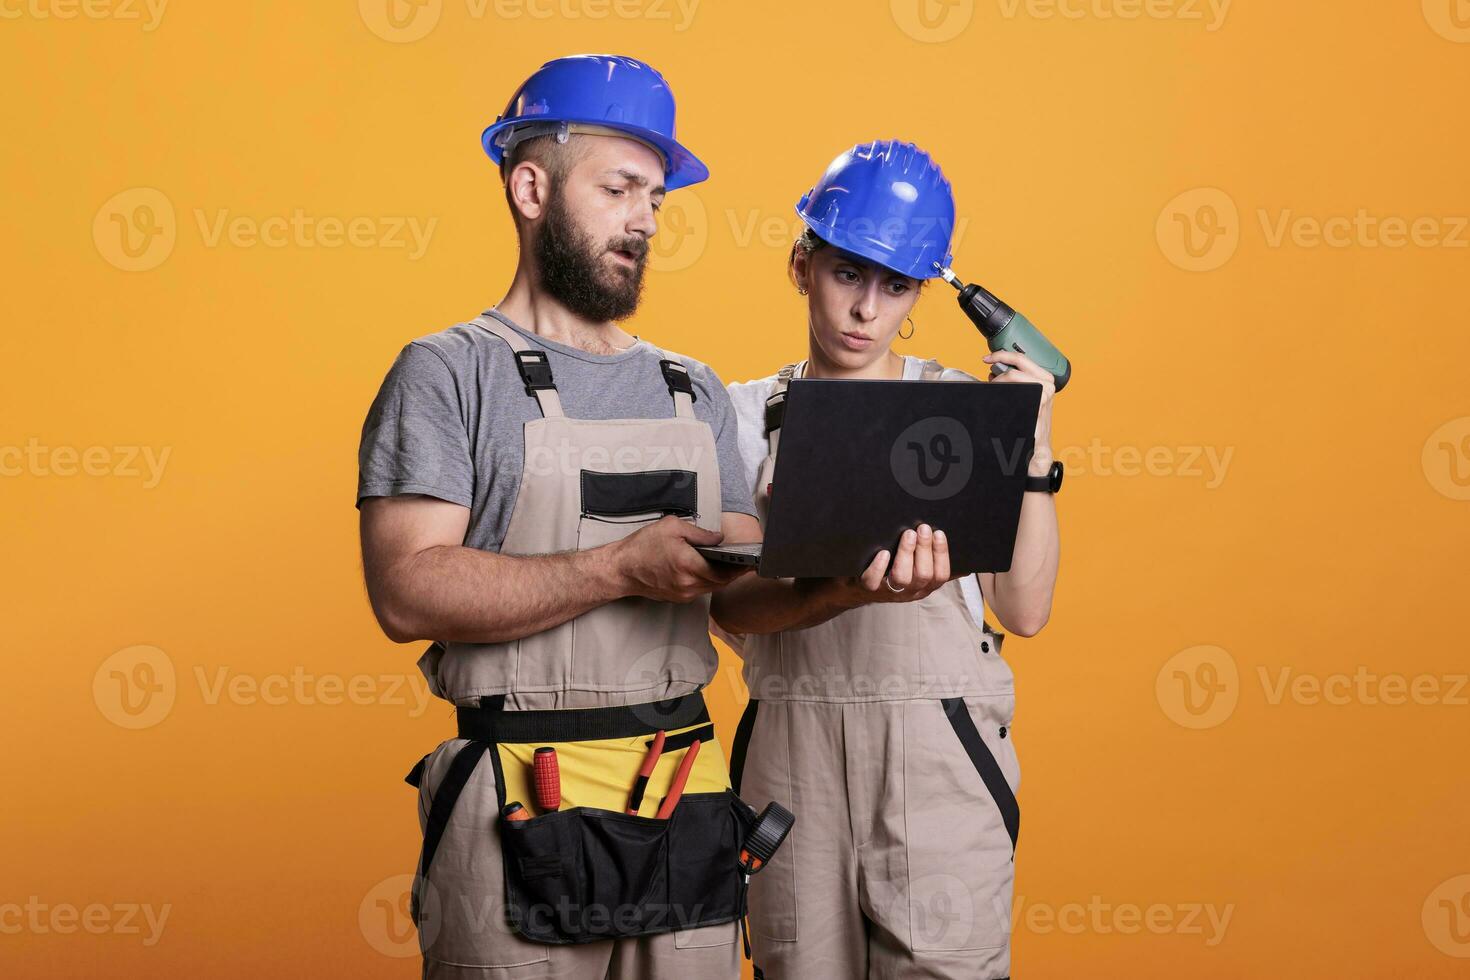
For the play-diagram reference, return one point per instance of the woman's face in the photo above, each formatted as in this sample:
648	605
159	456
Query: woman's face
855	307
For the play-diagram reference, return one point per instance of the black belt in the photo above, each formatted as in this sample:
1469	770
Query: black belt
490	722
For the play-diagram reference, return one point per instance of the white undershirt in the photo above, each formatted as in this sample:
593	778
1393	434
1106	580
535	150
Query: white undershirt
749	399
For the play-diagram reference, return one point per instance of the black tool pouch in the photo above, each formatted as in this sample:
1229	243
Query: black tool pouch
583	875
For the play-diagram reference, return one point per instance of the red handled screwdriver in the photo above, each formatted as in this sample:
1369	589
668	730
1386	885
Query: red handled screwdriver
548	780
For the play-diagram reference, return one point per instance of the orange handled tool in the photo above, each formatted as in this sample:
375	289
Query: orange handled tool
548	780
765	837
666	809
640	785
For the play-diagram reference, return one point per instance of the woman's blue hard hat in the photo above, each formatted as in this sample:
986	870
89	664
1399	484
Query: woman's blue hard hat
886	201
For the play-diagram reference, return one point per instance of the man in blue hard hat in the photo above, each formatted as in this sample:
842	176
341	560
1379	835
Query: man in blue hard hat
532	486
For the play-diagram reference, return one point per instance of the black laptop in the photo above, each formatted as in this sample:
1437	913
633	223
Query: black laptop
861	461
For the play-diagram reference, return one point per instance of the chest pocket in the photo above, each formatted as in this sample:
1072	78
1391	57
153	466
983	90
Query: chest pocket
614	505
661	642
660	492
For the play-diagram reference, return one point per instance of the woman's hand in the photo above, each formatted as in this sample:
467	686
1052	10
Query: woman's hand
920	567
1025	370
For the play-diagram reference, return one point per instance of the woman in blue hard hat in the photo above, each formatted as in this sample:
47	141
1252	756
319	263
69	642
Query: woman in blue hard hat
880	706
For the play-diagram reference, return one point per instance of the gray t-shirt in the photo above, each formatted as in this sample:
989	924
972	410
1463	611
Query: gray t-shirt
448	419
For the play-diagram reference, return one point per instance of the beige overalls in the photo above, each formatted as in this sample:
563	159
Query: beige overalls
887	729
595	688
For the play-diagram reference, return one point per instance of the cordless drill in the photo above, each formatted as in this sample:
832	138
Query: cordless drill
1005	329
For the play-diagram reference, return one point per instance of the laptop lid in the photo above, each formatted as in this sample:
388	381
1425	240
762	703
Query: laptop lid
861	461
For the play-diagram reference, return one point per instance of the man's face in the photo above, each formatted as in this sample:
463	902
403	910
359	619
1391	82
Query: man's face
592	242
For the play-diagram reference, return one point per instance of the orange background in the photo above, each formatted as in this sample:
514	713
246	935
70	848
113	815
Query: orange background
1335	377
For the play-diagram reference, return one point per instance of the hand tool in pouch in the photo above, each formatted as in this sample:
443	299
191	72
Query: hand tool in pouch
640	785
666	809
547	774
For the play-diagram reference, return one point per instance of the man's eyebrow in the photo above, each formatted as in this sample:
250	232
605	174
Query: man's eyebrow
634	178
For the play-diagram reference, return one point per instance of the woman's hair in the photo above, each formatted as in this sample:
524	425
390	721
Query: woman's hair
806	243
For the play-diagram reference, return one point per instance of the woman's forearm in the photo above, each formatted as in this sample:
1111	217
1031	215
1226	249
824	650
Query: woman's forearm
1022	596
769	605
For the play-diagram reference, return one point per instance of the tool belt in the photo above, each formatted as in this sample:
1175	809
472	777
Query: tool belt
584	874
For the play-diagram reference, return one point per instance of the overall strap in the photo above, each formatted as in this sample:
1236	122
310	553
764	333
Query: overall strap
531	362
676	376
776	404
441	806
931	370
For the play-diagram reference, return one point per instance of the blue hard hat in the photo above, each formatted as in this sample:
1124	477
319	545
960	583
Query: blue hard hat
888	202
603	90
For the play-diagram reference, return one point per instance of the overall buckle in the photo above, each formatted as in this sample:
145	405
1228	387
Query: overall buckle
775	411
535	370
676	376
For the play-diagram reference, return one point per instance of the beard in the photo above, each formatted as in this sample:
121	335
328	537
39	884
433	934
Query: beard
575	270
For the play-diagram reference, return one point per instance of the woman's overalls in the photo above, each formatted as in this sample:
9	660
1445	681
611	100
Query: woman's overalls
887	729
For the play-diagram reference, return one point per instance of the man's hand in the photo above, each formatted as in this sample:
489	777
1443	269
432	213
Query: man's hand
659	561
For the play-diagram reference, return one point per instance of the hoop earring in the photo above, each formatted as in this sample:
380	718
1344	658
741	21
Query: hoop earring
912	327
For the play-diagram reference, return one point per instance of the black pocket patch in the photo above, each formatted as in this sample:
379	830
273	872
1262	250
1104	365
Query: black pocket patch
541	866
643	492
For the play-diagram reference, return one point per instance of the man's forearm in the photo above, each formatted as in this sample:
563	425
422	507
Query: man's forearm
471	596
765	605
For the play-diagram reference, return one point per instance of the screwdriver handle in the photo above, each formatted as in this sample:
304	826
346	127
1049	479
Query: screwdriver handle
547	773
666	809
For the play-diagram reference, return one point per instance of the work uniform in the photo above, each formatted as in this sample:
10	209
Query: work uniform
887	728
595	687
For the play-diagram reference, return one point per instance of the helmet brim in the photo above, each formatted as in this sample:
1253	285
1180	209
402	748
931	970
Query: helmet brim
681	167
865	247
